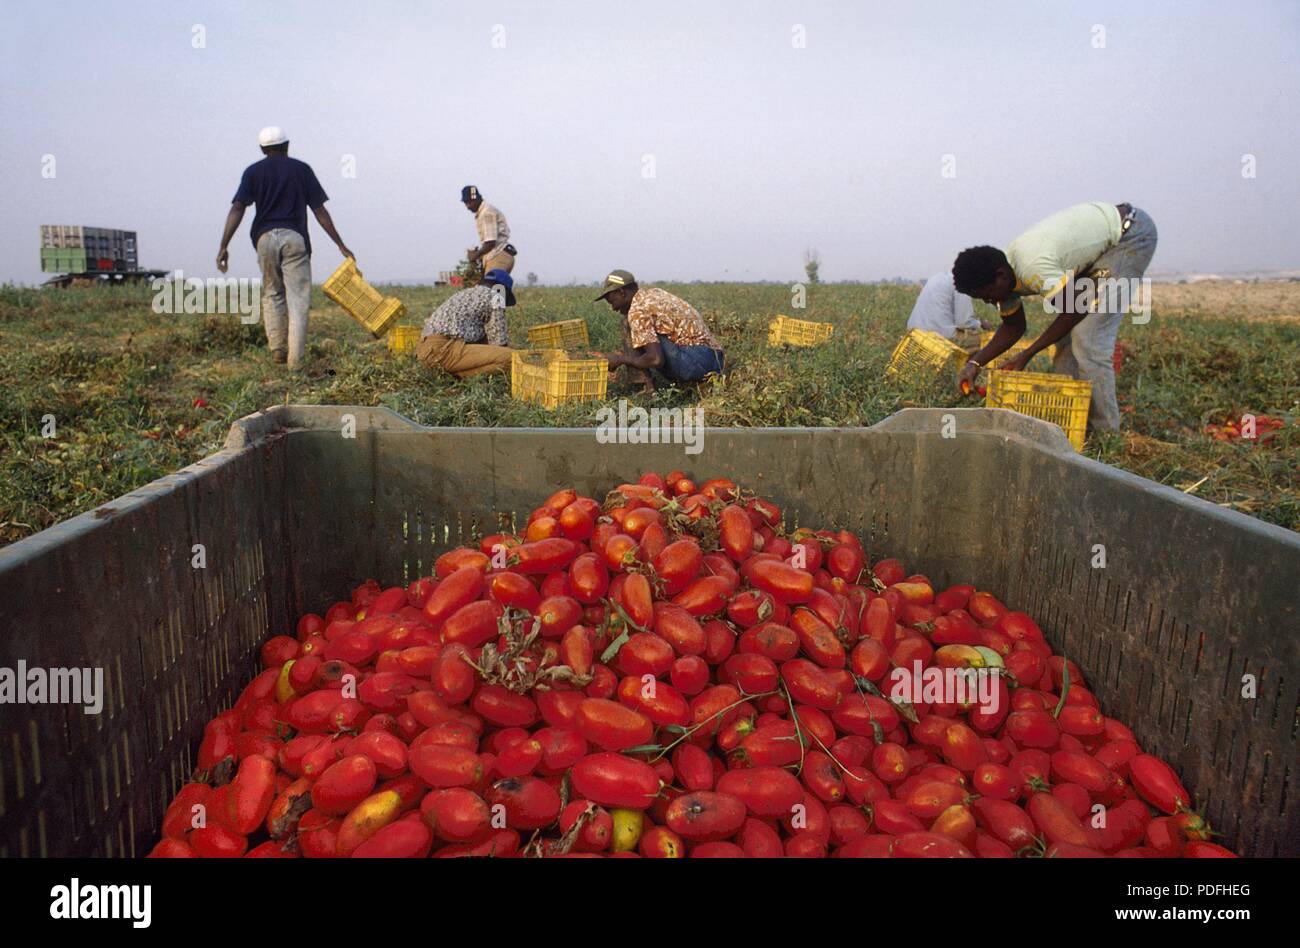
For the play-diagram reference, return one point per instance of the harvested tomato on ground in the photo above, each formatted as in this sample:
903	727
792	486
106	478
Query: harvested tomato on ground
1246	428
666	674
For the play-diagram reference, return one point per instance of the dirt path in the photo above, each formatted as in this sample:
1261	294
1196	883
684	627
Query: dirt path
1271	302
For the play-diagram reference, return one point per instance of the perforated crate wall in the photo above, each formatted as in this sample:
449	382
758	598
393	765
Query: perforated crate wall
1191	597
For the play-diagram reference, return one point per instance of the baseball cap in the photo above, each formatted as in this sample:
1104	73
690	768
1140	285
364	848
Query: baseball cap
616	279
271	135
469	193
501	278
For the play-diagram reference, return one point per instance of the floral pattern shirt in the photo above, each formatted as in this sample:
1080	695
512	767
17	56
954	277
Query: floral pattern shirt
655	312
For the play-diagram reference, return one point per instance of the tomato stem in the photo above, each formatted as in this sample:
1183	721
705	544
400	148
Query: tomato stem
687	732
798	731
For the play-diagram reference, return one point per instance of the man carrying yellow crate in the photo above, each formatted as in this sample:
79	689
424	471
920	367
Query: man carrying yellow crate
940	308
467	334
282	188
661	332
494	250
1086	262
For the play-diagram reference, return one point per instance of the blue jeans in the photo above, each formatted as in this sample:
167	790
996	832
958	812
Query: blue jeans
1087	352
688	363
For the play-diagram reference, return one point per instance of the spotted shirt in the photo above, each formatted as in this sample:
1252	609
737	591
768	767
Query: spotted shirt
475	314
655	312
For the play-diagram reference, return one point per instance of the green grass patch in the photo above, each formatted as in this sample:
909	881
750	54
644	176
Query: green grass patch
121	382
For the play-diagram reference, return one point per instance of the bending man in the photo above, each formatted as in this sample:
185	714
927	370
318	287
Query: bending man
467	334
1085	262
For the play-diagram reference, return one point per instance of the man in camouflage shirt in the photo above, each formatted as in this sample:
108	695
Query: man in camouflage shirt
467	334
661	332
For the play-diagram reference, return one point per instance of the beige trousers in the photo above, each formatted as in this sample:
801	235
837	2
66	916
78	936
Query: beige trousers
498	260
462	359
286	291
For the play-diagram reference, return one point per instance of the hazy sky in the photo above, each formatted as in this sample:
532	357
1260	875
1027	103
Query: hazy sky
760	148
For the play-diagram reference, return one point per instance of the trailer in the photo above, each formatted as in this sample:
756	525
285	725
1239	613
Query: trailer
82	256
64	280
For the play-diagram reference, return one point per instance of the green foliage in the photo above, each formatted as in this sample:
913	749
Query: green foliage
121	383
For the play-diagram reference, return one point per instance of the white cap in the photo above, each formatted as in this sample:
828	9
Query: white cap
271	135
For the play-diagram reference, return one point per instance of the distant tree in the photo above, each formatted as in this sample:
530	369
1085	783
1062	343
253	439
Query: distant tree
811	264
532	279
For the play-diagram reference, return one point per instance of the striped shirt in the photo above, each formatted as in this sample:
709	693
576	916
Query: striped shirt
491	225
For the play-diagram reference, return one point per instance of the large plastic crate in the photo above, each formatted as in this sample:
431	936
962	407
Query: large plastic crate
362	301
403	339
1017	347
787	331
1192	596
551	377
565	334
1057	399
60	260
922	354
63	236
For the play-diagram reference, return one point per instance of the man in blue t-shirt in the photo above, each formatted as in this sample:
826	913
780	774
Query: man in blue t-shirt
282	188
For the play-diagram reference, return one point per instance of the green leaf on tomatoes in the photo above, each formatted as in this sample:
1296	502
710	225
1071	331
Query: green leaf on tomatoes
1065	686
607	656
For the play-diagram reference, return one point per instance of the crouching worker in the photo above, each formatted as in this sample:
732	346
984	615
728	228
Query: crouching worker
660	332
940	308
467	334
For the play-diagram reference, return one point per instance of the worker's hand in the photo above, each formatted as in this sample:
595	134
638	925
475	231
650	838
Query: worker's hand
1017	363
472	255
343	249
223	259
966	377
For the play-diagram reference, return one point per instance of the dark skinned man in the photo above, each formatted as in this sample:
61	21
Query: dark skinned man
660	332
494	249
1068	259
282	188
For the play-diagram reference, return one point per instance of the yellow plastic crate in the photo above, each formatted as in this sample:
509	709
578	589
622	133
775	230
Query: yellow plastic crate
362	301
1056	398
921	352
566	334
1016	348
402	339
552	378
787	331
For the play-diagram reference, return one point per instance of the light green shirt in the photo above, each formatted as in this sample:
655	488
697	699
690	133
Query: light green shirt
1049	254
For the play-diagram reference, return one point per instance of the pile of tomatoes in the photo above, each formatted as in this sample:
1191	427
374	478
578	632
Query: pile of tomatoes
1232	429
670	673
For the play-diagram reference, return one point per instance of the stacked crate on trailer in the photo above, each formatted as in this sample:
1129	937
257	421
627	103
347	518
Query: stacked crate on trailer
74	248
62	250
